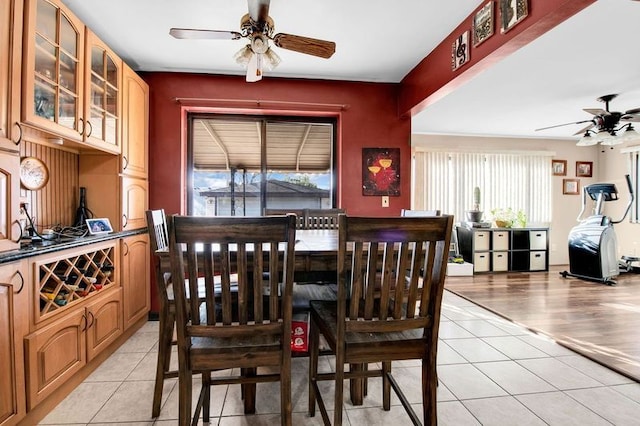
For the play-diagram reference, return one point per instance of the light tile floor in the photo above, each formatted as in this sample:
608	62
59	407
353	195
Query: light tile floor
491	372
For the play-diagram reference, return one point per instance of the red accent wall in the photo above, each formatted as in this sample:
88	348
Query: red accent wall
369	118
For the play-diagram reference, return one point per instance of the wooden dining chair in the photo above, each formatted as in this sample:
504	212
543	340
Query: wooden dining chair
300	215
382	314
322	218
159	240
216	334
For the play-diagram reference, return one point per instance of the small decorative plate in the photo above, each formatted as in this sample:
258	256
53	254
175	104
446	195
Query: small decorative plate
33	173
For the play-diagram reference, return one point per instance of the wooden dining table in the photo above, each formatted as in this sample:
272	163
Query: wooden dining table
316	251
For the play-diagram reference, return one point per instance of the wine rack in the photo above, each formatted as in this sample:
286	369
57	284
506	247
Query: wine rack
65	281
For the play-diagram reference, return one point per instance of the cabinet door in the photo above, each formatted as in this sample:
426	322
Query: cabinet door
135	112
53	69
12	325
54	354
10	77
104	317
103	82
135	278
134	203
9	200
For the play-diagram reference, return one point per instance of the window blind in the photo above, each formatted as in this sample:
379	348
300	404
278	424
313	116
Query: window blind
446	180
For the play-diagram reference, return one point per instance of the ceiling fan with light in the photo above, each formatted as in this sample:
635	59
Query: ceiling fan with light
258	28
607	125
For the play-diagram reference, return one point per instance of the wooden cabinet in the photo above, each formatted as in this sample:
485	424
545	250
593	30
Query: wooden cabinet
10	61
9	199
13	324
135	196
135	278
103	82
55	352
69	279
135	113
71	80
501	249
53	73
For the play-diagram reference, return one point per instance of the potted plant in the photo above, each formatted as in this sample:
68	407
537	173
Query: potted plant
507	218
475	215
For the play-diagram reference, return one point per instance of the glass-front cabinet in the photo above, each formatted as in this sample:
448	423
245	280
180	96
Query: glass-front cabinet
71	79
53	69
103	75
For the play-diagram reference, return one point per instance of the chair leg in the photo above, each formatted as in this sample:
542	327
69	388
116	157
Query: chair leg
166	324
356	386
249	392
206	404
386	386
185	384
285	389
314	343
429	390
339	383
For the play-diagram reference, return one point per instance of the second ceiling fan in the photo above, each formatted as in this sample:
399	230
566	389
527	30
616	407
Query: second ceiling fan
258	28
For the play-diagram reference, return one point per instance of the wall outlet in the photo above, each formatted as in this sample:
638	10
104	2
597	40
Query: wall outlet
385	201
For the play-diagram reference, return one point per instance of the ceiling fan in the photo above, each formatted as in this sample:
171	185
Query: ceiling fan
606	123
258	27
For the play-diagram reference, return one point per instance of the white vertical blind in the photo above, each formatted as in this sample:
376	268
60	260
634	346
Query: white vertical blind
446	180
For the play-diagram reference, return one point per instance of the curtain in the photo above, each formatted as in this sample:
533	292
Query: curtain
446	181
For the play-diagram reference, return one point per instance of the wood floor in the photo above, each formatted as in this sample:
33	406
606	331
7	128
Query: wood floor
599	321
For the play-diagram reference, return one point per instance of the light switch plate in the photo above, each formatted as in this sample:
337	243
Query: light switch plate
385	201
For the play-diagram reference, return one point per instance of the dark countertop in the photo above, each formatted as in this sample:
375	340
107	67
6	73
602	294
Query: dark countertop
51	247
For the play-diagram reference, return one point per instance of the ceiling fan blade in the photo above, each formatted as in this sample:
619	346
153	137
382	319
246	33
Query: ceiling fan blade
258	9
581	131
307	45
190	33
254	69
632	111
596	111
566	124
632	118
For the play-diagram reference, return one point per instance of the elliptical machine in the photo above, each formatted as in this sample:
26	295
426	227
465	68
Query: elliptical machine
593	243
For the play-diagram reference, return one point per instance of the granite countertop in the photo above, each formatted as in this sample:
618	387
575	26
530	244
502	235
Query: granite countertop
32	250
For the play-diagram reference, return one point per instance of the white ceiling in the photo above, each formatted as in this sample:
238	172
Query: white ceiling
546	82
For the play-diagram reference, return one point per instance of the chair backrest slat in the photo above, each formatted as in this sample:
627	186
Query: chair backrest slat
396	271
322	218
251	247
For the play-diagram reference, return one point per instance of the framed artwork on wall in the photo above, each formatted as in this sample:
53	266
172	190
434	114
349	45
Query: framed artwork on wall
381	171
483	24
584	168
460	51
571	186
559	167
512	12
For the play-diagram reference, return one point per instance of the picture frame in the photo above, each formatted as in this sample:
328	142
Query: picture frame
99	226
460	51
584	168
381	171
571	186
512	12
559	167
483	24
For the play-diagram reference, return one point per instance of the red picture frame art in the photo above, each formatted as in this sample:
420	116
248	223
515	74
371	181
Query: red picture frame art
381	171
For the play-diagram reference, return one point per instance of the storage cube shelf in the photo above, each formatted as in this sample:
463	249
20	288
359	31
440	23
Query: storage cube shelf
64	281
504	250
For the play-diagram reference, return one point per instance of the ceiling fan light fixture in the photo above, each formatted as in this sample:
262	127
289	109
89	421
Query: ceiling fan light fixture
587	140
629	134
243	56
272	59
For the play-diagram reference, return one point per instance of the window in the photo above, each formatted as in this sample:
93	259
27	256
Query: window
446	180
238	165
